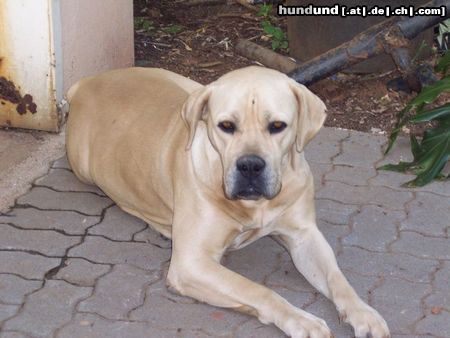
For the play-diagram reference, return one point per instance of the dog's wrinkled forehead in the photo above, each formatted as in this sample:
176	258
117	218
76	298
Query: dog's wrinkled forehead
266	88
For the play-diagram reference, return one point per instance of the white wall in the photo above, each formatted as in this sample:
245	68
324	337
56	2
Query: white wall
26	52
97	35
47	45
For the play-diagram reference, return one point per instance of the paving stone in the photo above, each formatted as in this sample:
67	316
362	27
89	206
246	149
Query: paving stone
31	266
47	309
44	198
160	288
400	303
334	212
14	334
333	233
298	299
13	289
253	328
372	195
128	284
350	175
61	163
91	326
64	180
360	151
319	170
325	309
397	284
256	261
287	277
437	325
397	335
391	179
160	310
101	250
80	272
441	290
401	151
374	228
395	265
421	246
68	221
46	242
8	310
325	145
118	225
428	214
437	187
363	285
152	236
196	333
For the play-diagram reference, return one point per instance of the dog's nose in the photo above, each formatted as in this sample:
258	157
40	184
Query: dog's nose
250	165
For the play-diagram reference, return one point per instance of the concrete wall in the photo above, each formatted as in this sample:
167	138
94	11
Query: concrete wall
96	35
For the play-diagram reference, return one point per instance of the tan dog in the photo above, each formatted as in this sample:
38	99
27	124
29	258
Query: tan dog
236	173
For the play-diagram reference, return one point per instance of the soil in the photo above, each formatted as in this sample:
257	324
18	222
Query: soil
198	42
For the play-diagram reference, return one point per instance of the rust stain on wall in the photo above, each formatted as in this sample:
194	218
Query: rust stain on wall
9	92
18	108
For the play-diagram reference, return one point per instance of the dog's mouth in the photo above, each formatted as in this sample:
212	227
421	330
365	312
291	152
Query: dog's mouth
249	192
242	187
252	190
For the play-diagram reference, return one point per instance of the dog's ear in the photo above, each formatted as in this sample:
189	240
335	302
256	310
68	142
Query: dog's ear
311	114
194	109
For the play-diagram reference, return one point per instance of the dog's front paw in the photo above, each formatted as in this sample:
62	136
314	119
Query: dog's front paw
365	320
307	326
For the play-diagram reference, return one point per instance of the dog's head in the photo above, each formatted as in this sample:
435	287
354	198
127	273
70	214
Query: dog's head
255	117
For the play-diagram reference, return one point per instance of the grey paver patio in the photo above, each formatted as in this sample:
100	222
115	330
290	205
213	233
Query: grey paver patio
72	264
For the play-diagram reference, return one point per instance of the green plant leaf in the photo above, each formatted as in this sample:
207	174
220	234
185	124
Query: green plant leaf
429	157
399	167
441	112
275	44
432	164
268	27
434	136
401	121
416	150
430	93
264	10
144	25
279	38
444	63
173	29
433	152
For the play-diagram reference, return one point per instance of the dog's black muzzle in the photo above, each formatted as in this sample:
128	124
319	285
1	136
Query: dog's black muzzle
250	183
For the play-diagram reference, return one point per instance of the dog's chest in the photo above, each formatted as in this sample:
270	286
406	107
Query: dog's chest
259	223
246	237
250	234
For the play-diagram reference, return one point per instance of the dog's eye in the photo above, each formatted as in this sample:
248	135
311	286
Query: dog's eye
276	127
227	127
